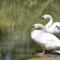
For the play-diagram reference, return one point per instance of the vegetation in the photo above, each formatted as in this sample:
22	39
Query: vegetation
16	20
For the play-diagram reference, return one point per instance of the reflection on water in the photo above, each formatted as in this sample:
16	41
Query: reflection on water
8	56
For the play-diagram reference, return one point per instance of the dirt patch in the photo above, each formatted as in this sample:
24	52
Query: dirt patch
44	57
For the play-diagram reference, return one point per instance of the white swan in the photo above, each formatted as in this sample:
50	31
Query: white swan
46	40
51	27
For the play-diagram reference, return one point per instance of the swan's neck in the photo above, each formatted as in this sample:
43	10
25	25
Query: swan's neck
48	25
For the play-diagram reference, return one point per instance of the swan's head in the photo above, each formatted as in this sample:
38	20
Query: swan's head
46	17
37	26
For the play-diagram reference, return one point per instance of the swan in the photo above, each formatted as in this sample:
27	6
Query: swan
46	40
51	27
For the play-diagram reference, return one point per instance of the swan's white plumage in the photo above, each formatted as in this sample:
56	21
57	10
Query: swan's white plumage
46	40
50	26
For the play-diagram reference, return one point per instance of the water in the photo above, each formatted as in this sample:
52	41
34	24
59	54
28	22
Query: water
8	56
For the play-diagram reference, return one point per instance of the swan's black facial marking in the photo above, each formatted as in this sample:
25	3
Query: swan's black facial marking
38	28
33	26
46	17
42	18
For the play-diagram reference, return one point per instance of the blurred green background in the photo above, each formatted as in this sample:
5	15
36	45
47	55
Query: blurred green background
16	20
